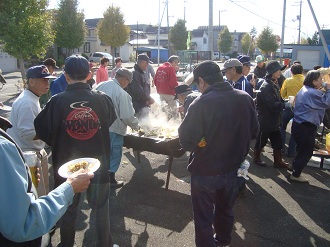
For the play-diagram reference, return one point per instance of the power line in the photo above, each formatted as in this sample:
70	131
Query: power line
278	24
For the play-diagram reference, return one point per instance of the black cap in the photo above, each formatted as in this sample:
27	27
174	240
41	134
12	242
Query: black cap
204	69
245	60
274	66
181	89
143	57
76	65
39	71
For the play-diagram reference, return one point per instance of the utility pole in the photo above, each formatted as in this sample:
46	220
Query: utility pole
168	29
184	10
219	17
299	29
324	43
210	43
283	27
137	40
158	33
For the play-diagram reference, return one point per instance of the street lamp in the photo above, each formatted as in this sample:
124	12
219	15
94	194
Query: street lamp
219	18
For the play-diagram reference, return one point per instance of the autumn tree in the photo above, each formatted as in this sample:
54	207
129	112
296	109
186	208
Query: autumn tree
69	26
303	41
225	41
112	29
247	44
25	29
267	41
178	35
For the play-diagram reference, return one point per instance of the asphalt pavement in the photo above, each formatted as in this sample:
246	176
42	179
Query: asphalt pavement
272	211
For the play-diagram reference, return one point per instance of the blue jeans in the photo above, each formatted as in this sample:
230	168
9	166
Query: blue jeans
116	151
213	198
287	115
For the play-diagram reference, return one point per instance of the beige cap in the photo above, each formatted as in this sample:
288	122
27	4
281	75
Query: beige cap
233	62
125	73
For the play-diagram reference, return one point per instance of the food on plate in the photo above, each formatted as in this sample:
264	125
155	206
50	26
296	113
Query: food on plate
77	166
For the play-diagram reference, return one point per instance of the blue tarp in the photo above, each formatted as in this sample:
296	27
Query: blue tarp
326	59
153	53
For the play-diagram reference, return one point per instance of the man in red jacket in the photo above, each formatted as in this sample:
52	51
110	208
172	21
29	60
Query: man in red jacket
165	81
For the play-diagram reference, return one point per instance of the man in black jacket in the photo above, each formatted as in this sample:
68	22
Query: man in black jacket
219	142
139	88
75	123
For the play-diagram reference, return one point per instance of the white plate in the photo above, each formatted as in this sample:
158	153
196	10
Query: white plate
94	164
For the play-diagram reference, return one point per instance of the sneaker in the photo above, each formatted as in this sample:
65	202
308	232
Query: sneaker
290	168
299	179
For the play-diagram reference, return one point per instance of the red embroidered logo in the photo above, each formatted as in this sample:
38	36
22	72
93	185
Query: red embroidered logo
82	123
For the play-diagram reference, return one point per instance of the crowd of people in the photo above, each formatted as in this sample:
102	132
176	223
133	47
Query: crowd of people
78	119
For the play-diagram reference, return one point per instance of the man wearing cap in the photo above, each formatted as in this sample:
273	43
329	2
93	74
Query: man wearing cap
185	95
125	117
216	151
233	70
76	124
24	110
245	60
139	89
50	63
260	69
165	81
269	107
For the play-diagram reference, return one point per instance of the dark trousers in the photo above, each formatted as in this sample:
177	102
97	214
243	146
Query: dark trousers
98	200
304	135
213	198
287	115
274	137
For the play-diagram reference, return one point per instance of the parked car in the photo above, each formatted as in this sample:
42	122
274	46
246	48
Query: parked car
96	57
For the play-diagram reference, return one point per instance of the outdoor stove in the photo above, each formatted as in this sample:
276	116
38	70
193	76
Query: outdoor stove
164	145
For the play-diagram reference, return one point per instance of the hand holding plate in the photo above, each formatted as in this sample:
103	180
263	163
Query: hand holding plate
80	180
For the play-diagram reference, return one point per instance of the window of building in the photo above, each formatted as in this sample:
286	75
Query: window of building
204	41
87	47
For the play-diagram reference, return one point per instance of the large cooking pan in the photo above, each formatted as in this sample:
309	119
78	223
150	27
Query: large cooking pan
165	146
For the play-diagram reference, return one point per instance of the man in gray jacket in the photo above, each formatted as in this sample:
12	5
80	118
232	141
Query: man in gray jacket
125	117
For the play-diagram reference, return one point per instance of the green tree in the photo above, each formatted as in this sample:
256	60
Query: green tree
225	41
253	32
247	44
25	29
69	26
112	29
178	35
314	40
267	41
